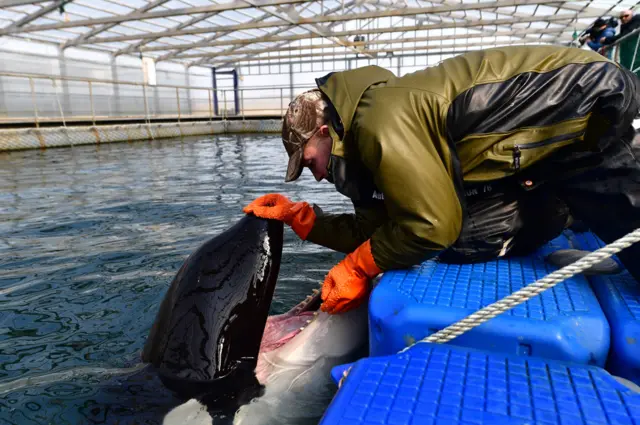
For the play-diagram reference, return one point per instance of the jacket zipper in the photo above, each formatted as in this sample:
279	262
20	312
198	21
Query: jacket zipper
516	157
517	149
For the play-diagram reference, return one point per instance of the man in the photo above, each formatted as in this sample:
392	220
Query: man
629	23
598	35
442	158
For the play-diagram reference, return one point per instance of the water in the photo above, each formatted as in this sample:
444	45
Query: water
90	238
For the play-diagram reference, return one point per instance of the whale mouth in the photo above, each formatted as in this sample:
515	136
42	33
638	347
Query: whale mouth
281	328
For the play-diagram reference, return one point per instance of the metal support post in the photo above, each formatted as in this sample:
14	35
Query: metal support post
290	83
242	103
187	81
210	106
35	105
66	96
93	111
224	96
281	103
215	91
635	54
3	107
235	91
146	106
55	90
178	101
116	87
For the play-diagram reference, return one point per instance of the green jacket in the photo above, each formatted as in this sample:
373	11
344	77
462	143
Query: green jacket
403	148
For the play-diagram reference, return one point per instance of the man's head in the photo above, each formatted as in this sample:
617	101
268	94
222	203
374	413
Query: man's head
306	137
600	24
625	16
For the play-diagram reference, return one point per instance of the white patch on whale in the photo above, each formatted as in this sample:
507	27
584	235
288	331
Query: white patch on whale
265	255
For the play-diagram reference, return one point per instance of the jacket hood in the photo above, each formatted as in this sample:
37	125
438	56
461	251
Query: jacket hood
344	90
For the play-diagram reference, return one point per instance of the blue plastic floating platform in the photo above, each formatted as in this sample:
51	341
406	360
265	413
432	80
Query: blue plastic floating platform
619	296
563	323
434	384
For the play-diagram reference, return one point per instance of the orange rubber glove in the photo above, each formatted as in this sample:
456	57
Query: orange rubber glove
299	215
347	284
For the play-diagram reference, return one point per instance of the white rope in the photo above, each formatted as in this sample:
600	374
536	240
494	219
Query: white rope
530	291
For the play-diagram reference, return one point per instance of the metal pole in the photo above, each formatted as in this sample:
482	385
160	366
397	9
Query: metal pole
116	87
55	89
146	106
178	100
235	91
215	91
210	106
33	99
242	103
93	112
290	83
3	104
146	112
64	83
635	54
224	96
187	79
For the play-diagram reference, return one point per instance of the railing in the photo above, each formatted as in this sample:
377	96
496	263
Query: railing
42	98
632	63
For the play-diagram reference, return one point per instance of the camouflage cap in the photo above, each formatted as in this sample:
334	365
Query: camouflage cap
303	118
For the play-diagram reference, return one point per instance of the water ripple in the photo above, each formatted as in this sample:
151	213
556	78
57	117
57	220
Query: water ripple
90	238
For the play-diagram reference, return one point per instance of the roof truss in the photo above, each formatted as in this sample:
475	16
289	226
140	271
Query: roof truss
212	33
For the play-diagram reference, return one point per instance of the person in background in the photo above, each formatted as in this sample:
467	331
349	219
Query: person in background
473	159
599	33
627	47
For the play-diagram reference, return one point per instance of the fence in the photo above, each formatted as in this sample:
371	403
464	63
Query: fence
42	98
625	51
36	98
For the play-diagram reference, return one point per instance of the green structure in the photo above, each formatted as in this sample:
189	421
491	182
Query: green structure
628	51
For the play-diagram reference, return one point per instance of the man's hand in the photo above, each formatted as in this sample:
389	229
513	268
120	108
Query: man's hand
348	283
299	215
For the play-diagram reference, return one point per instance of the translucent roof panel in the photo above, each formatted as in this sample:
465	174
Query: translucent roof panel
228	33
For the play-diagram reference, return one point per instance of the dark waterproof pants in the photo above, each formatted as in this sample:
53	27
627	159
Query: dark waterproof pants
607	198
505	218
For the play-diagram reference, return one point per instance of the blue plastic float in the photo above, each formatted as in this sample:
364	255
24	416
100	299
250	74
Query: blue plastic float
619	296
443	384
563	323
530	365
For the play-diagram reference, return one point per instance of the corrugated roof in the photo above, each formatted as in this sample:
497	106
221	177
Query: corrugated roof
242	32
